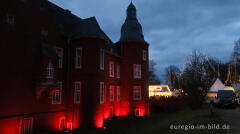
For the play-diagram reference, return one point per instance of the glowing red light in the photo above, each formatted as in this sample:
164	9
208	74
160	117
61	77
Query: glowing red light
62	123
69	126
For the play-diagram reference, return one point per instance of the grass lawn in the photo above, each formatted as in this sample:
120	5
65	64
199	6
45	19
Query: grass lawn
159	123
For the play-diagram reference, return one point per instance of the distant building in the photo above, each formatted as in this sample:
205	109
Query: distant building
59	71
159	91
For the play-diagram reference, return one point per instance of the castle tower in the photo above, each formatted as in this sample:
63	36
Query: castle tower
134	66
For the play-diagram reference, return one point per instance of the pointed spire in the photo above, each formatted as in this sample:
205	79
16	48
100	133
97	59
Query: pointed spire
131	11
131	29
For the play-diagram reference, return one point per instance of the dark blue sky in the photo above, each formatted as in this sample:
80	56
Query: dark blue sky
173	27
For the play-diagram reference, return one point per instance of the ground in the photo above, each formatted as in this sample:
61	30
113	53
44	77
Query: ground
161	122
231	116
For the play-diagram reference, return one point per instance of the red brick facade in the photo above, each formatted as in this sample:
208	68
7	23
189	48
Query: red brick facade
42	93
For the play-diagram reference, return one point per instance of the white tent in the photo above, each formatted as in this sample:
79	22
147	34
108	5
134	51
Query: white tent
212	93
218	85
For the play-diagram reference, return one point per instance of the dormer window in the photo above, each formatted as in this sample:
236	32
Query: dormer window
44	31
50	70
10	19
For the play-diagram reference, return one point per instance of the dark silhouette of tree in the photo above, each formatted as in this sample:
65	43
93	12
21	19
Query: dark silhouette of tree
153	78
199	74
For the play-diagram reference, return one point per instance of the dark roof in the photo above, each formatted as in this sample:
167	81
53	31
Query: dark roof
131	29
89	27
72	25
131	7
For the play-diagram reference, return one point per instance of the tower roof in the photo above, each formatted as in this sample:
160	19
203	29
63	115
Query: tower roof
131	29
131	7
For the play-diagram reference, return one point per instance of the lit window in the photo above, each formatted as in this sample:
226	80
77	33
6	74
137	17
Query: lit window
44	31
60	57
26	126
118	71
78	62
111	69
77	92
50	70
136	93
118	92
101	92
57	95
137	71
10	19
111	90
102	59
144	55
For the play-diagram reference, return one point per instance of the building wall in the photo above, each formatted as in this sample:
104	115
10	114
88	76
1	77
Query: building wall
23	67
20	62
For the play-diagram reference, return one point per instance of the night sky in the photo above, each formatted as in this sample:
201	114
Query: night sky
173	27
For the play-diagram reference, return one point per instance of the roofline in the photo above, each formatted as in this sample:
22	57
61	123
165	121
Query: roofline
145	42
112	54
91	37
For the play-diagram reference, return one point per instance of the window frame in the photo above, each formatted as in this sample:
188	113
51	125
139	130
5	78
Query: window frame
118	93
137	71
111	69
22	128
111	93
102	93
144	55
57	94
60	56
118	69
77	92
137	96
78	58
102	56
50	70
10	21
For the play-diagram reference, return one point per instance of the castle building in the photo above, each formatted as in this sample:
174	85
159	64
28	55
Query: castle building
61	72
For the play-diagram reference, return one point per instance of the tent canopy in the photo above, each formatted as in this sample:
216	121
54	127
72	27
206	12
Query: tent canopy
218	85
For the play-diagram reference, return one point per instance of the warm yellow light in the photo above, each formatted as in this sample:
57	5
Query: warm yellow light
159	90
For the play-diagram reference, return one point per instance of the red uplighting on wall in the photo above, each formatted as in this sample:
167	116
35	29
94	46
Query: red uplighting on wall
106	115
62	123
140	112
69	125
98	121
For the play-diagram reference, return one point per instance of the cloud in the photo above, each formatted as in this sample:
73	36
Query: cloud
173	27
